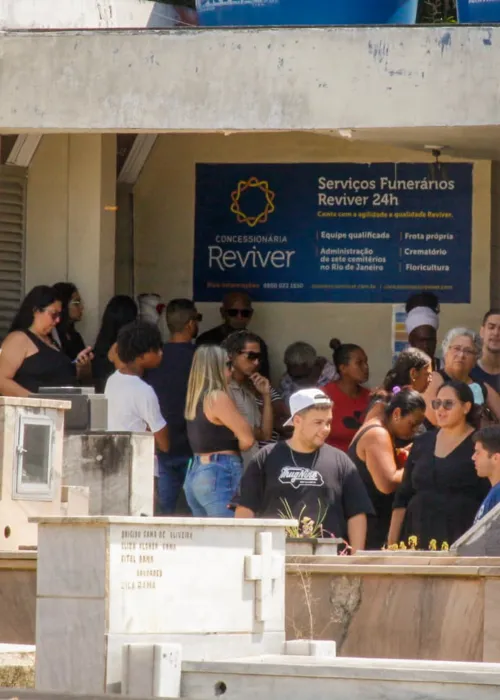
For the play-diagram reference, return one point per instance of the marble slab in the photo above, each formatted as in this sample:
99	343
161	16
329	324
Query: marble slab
123	580
482	539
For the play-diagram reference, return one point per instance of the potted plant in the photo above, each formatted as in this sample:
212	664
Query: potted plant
309	537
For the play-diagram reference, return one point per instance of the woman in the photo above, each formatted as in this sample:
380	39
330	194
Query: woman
121	309
441	492
217	433
461	348
69	339
422	323
413	368
350	398
374	454
304	370
30	358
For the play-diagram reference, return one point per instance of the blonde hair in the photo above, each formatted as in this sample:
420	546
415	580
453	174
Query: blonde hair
208	376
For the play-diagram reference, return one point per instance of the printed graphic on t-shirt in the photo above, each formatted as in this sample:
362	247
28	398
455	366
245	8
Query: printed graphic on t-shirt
298	476
353	422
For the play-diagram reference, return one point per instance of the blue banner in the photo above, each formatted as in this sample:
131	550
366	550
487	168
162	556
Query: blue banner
266	13
478	11
333	232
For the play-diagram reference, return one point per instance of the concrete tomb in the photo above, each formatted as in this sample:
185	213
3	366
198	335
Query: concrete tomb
482	539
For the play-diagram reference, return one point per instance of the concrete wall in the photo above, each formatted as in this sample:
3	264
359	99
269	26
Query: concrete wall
316	78
164	239
70	231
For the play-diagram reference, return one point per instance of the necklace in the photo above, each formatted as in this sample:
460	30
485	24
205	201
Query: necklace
311	468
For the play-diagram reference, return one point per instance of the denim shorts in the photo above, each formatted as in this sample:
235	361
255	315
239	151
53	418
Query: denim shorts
211	485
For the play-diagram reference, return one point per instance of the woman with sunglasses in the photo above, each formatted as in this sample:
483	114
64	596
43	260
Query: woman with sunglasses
461	349
69	338
30	357
217	434
441	493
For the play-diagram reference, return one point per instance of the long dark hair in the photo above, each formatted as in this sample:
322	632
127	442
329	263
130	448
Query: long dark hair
407	400
36	300
464	395
121	309
399	375
64	291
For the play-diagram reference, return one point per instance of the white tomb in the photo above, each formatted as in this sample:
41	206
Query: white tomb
31	446
215	586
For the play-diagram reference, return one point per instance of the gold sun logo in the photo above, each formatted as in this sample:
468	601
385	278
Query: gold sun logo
269	195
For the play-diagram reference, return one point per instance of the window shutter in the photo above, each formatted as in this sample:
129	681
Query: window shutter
12	241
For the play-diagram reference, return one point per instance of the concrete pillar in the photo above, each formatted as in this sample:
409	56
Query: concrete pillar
124	263
71	219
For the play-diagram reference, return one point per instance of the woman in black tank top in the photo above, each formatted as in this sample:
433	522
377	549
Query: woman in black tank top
30	359
217	434
373	452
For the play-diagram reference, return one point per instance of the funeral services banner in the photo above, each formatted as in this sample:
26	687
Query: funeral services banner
342	232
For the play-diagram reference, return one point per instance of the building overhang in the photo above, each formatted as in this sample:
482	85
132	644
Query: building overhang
348	78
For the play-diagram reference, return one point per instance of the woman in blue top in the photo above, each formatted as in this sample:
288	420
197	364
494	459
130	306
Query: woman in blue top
461	349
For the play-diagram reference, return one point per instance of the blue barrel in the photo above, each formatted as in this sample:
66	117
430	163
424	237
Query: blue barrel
272	13
478	11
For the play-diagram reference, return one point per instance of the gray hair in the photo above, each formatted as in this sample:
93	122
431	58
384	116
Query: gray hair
457	332
300	353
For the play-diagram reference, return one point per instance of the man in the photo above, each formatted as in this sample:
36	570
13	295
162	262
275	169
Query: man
245	353
170	380
487	369
422	324
132	404
487	460
307	476
236	312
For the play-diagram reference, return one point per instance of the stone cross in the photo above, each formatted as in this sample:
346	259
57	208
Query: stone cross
264	568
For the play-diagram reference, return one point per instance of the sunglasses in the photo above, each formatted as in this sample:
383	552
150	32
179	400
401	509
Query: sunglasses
252	356
447	404
54	315
198	318
244	313
229	364
76	302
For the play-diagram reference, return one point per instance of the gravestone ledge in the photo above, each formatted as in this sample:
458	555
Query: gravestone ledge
482	539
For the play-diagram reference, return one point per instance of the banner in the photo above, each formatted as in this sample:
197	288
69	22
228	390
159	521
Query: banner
333	232
265	13
473	11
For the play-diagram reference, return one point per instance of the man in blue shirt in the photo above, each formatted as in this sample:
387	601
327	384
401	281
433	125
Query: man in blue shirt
487	460
169	381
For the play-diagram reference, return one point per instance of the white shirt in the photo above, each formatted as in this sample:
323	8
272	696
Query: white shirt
132	405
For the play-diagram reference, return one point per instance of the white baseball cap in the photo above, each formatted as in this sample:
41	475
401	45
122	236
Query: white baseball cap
307	398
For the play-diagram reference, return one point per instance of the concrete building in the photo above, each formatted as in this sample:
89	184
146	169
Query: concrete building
101	131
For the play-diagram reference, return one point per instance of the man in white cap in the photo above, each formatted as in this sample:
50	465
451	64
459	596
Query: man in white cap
422	323
308	476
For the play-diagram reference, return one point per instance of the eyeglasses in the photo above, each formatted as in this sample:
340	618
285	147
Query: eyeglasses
54	315
468	352
244	313
229	364
447	404
252	356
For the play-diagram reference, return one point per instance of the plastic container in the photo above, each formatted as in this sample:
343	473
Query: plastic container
478	11
267	13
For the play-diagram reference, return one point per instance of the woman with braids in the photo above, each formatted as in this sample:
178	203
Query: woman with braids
374	454
441	492
349	397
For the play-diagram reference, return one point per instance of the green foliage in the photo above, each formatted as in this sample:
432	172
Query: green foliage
437	11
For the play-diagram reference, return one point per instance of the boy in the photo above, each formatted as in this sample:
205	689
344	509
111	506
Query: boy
132	404
487	460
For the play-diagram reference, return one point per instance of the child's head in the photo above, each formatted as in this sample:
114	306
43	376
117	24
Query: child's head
140	343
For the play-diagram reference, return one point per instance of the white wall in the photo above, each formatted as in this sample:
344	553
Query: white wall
164	239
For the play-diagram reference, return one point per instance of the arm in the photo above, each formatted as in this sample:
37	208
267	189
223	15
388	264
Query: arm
162	440
493	401
377	451
14	352
402	499
251	490
242	512
430	394
280	415
356	530
84	364
149	407
397	518
223	409
262	385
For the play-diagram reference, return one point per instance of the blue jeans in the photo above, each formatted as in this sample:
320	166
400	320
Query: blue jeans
172	474
210	486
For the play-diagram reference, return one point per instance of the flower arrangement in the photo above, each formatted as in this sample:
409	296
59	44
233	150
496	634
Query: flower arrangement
307	527
412	545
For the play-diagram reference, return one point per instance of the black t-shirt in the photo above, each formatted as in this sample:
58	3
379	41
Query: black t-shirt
326	476
169	381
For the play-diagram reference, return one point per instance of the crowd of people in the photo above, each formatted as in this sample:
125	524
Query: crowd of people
418	456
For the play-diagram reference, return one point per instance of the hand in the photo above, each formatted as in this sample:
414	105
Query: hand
84	357
262	384
402	455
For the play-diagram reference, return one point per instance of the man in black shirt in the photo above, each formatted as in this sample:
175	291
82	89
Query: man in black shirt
170	381
236	312
308	475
